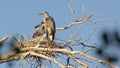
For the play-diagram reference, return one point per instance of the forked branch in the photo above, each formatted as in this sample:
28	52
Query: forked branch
76	22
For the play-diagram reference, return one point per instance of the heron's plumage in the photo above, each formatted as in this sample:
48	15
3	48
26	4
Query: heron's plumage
49	26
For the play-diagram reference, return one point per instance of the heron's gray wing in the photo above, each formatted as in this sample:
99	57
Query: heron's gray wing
53	28
53	24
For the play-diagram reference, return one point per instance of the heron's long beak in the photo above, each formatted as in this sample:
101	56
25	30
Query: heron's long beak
41	14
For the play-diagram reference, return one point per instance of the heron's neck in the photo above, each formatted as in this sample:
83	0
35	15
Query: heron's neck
46	16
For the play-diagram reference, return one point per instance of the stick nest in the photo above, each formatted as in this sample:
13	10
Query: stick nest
38	43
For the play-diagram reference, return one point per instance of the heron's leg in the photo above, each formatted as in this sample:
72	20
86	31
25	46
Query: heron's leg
49	43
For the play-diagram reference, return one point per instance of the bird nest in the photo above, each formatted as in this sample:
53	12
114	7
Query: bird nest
37	43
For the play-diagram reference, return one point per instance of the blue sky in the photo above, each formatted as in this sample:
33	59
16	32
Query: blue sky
20	16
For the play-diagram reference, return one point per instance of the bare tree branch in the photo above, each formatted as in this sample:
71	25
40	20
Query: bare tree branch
91	33
76	60
30	51
103	20
83	12
72	11
3	39
49	58
79	22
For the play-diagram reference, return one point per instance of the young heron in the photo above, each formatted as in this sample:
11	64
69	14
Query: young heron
38	32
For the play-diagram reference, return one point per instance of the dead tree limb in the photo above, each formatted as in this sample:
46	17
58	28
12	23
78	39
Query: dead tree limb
31	51
76	22
3	39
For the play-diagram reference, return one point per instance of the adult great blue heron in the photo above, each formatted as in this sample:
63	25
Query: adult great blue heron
49	26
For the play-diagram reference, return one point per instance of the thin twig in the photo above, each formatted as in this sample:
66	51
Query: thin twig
72	11
91	33
83	12
103	20
84	65
76	33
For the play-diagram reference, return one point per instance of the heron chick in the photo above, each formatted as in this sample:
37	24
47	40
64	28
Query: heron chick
38	32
